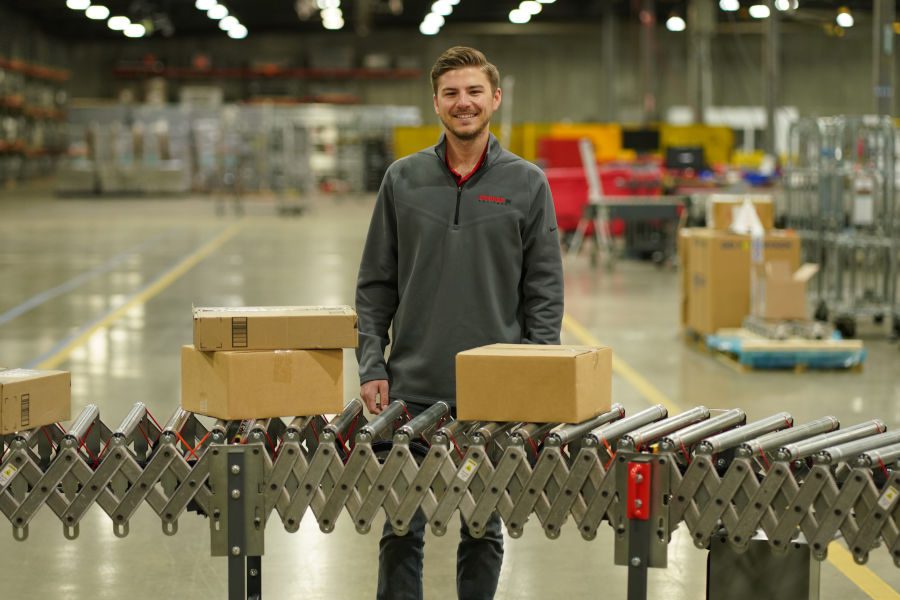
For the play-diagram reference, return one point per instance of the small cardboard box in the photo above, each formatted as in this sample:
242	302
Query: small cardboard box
259	385
782	293
31	398
275	328
719	277
533	383
721	209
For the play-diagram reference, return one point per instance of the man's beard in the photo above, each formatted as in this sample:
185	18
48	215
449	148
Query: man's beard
465	136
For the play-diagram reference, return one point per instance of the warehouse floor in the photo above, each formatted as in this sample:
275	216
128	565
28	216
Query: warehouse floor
104	288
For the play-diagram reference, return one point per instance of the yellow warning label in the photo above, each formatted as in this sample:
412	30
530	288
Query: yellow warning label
465	472
888	498
6	474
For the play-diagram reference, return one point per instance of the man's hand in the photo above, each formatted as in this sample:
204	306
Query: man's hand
375	394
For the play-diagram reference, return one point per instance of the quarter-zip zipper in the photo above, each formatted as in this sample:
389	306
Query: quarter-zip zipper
458	198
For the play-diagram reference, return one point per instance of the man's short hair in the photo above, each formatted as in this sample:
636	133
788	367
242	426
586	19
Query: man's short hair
459	57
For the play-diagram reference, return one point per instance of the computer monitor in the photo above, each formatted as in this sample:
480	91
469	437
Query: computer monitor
685	157
642	141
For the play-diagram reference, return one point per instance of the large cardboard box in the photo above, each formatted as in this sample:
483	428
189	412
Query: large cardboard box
720	210
258	385
275	328
719	276
533	383
31	398
782	292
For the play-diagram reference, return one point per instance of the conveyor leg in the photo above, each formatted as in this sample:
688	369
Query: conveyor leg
639	557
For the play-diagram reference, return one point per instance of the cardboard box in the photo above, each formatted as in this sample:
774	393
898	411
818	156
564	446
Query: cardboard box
258	385
782	293
31	398
275	328
684	257
719	275
720	210
532	383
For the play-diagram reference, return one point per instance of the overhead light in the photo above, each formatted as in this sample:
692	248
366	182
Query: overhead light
323	4
546	1
332	14
453	2
531	7
428	28
729	5
217	12
205	4
97	12
333	24
844	18
675	23
518	16
118	23
78	4
759	11
228	23
435	19
135	30
238	32
442	7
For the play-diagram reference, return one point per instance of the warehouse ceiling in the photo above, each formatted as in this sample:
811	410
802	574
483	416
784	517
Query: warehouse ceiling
181	18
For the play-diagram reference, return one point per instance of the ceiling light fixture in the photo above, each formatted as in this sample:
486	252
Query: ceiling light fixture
729	5
135	30
531	7
217	12
97	12
228	23
519	16
676	23
205	4
426	28
237	33
759	11
546	1
78	4
442	7
844	18
118	23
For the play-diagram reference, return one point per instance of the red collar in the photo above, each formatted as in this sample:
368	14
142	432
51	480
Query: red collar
461	179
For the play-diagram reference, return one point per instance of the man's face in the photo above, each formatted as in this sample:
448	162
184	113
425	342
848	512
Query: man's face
464	102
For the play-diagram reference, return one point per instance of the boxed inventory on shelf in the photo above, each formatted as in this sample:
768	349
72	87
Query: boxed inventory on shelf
274	328
533	383
262	384
32	398
716	274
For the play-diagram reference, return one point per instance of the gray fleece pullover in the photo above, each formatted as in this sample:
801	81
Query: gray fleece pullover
455	267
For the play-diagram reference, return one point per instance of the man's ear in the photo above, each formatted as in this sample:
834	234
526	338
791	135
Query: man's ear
498	96
434	99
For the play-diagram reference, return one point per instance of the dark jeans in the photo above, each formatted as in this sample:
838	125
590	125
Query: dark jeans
400	557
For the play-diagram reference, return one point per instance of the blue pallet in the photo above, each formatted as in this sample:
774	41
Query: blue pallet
787	359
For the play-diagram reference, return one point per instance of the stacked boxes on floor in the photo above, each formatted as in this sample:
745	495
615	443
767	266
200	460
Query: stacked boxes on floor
716	283
261	362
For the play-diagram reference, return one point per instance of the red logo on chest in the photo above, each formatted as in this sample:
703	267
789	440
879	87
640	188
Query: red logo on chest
493	199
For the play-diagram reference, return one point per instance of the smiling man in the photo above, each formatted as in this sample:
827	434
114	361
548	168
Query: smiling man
462	251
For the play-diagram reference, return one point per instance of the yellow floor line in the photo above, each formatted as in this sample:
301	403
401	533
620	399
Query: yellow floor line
158	286
863	577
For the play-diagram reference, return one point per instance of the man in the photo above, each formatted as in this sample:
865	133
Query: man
462	251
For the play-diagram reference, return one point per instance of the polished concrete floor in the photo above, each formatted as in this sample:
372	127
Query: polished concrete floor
104	288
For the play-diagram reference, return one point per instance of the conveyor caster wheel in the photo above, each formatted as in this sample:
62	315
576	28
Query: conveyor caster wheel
846	325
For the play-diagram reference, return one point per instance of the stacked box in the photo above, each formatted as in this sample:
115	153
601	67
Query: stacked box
31	398
267	361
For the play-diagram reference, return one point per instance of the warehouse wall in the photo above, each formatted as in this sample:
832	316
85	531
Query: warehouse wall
557	77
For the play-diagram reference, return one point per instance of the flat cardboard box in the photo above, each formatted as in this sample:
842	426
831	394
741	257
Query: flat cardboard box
32	398
262	384
782	293
720	210
275	328
533	383
719	276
